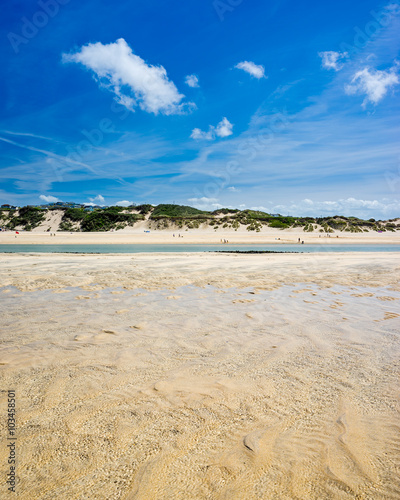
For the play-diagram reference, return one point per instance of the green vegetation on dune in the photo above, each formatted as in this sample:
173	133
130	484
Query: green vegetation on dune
165	210
98	220
225	211
165	216
109	218
74	214
144	209
28	218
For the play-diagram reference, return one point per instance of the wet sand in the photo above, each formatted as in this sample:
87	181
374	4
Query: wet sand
202	376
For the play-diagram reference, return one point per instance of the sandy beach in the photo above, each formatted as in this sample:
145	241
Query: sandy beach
202	376
198	236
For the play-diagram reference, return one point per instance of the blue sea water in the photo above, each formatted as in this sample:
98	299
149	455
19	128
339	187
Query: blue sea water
149	248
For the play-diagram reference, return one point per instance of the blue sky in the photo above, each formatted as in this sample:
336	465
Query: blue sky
289	107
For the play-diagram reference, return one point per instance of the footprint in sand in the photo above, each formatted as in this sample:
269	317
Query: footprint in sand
336	304
242	301
252	441
139	326
81	297
111	332
387	298
79	338
367	294
390	315
122	311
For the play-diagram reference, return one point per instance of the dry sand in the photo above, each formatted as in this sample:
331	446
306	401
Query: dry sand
202	236
202	376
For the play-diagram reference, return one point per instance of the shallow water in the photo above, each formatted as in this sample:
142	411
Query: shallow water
204	393
111	248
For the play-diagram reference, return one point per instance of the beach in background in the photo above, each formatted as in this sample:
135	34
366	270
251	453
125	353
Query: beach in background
204	236
202	376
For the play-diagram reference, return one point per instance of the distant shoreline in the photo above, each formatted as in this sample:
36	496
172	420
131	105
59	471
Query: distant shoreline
267	236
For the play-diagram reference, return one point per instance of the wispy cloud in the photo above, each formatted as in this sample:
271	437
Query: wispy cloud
132	81
64	159
255	70
28	134
373	83
223	129
317	152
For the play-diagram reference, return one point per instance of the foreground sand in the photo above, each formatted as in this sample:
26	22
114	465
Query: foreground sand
202	376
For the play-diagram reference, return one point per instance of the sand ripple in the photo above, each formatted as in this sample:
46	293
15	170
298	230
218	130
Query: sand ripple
218	393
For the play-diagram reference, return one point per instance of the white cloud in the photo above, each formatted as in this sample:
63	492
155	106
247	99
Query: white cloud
204	199
205	203
347	207
124	203
256	70
373	83
48	199
259	209
97	200
200	135
192	81
130	78
330	59
223	129
233	189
